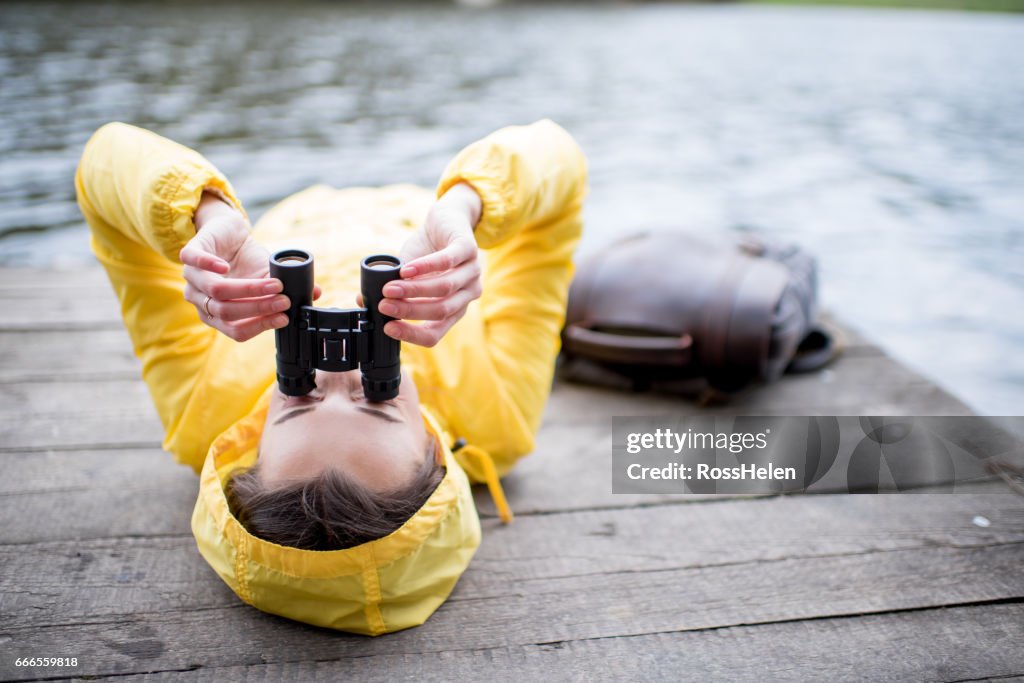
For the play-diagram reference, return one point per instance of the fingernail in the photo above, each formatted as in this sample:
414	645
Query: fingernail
280	321
392	330
273	287
388	308
281	303
408	271
393	291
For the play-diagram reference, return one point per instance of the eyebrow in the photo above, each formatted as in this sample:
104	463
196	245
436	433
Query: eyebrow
293	413
299	411
379	413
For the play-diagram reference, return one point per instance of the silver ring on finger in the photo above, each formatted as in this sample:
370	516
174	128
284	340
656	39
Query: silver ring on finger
206	307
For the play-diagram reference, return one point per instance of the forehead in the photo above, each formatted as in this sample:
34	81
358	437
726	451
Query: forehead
372	450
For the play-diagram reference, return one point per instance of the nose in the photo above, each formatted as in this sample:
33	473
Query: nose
340	382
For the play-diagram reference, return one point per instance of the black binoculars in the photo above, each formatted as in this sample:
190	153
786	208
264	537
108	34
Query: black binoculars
335	339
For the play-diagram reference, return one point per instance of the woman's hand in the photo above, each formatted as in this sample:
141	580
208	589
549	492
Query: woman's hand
441	271
227	274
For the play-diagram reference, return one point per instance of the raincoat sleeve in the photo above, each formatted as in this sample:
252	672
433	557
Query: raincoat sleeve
532	180
138	192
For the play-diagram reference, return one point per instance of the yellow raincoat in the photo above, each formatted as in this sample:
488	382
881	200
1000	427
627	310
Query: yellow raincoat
486	381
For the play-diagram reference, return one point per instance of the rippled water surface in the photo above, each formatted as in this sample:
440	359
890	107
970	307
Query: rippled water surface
890	143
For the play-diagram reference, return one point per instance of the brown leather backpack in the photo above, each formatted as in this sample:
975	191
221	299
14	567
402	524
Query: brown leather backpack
670	310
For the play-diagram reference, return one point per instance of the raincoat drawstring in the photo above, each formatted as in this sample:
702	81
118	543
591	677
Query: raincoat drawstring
490	476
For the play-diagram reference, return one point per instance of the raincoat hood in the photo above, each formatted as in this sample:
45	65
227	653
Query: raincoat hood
385	585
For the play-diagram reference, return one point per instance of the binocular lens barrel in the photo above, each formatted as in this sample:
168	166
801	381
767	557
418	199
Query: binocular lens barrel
294	268
382	376
377	353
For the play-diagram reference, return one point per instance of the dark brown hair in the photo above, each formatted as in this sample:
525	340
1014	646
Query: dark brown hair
330	511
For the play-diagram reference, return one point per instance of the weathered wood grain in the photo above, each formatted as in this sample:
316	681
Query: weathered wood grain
952	644
88	309
99	561
134	427
78	495
68	356
873	385
52	399
513	612
126	575
22	281
61	472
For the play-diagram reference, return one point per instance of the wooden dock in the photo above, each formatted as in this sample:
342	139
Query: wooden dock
98	561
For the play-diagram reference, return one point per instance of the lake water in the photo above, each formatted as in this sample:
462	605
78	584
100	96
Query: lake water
889	143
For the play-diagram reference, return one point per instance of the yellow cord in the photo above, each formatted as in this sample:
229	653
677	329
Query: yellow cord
491	477
482	457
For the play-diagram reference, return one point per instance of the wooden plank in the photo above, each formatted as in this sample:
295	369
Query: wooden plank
509	612
953	644
22	281
78	495
135	427
58	300
68	356
103	413
58	315
43	580
55	472
74	398
850	386
581	454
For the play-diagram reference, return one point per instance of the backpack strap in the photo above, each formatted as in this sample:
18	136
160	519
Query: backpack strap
815	351
736	333
629	349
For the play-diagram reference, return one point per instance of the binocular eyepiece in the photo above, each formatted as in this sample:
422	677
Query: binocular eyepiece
334	339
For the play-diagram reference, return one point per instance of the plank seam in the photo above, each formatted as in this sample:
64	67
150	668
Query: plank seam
1001	677
709	629
127	445
724	498
792	558
794	620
